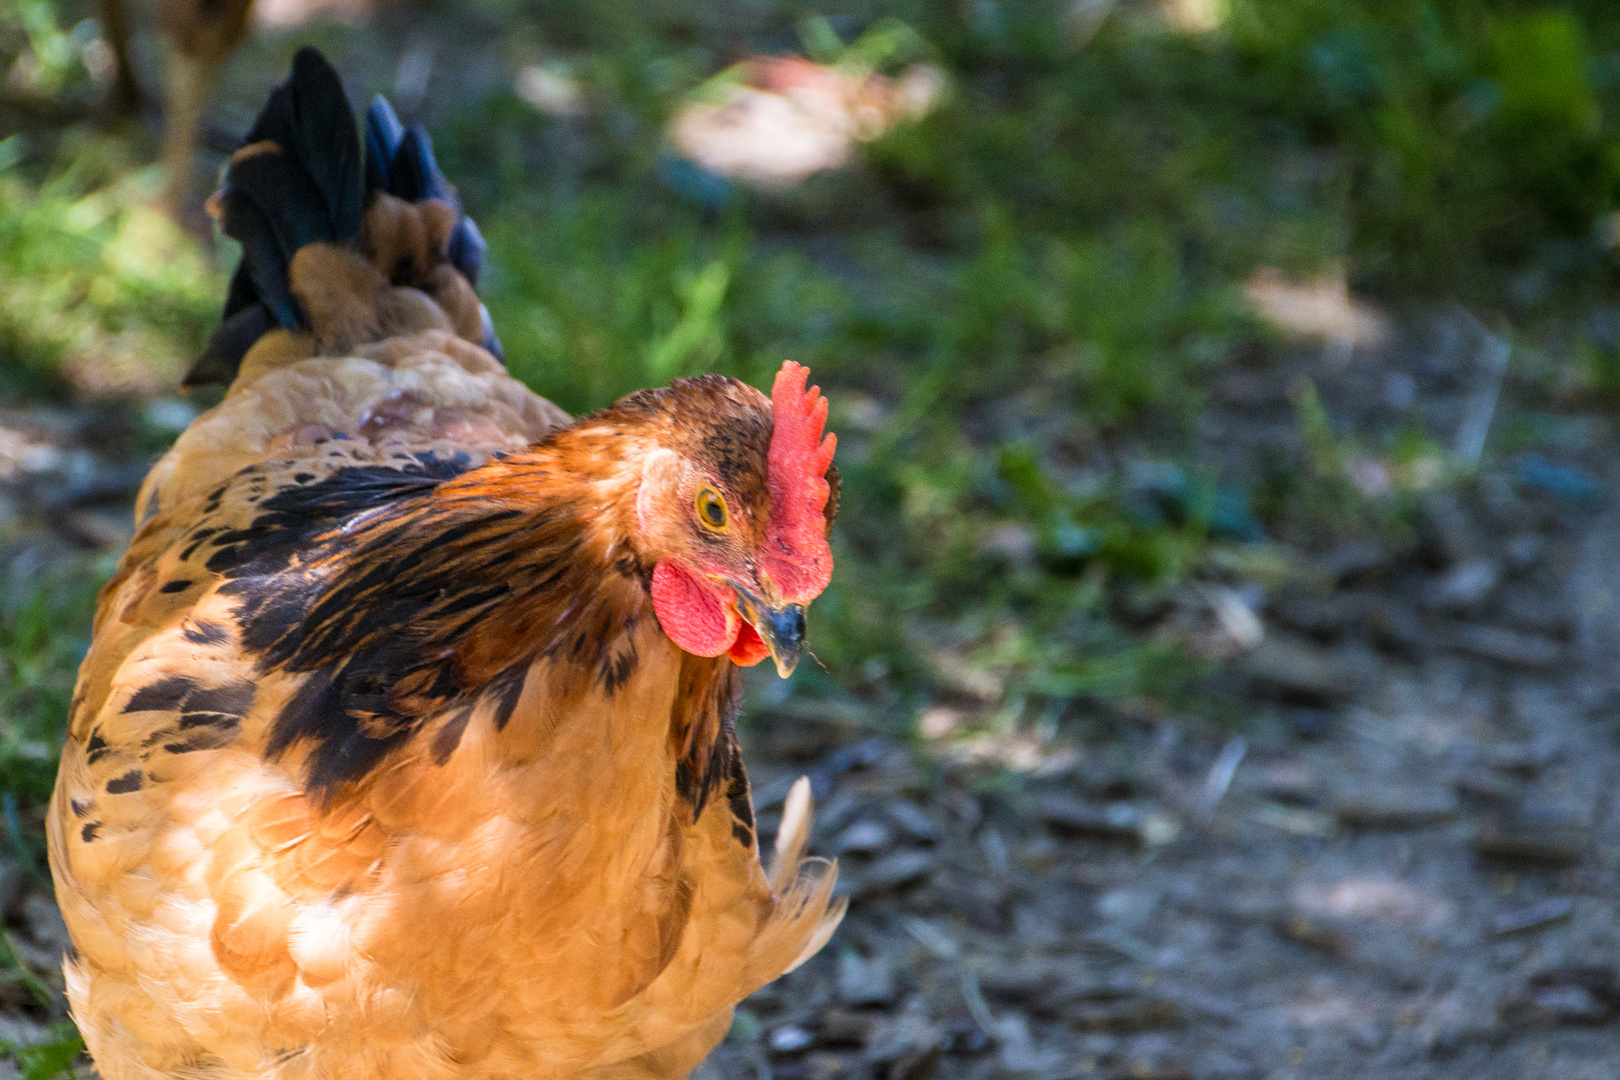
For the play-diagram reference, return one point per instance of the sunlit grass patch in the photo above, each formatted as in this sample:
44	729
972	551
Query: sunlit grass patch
45	610
100	293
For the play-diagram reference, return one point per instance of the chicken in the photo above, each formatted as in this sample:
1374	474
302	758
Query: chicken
404	746
199	36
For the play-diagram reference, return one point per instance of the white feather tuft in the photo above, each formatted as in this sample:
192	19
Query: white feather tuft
792	836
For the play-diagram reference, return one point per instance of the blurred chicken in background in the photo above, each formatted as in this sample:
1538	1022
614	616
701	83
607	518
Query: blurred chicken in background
773	121
198	38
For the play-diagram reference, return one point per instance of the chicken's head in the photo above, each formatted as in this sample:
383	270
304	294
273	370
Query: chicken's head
732	513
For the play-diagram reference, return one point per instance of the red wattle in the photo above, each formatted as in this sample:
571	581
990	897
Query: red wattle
690	612
749	648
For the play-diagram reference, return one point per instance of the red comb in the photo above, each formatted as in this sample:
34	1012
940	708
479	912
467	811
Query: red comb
796	556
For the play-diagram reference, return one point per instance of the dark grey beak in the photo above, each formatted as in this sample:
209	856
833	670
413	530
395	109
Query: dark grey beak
782	629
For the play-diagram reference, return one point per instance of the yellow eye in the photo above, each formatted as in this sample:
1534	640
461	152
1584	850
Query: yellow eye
711	510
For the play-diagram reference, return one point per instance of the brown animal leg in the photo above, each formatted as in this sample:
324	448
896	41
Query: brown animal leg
190	81
125	99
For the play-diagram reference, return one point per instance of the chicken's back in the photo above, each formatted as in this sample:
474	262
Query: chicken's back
415	393
353	310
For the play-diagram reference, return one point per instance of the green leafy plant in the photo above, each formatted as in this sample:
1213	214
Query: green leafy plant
50	1060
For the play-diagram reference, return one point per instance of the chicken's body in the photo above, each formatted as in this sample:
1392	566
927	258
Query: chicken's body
382	764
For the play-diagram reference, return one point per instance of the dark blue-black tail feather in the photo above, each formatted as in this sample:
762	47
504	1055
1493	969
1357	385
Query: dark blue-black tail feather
309	117
290	198
242	292
312	186
407	169
383	135
324	131
467	249
235	336
491	342
247	319
412	173
265	257
415	172
304	188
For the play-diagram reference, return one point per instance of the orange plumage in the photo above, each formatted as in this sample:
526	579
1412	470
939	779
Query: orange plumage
388	758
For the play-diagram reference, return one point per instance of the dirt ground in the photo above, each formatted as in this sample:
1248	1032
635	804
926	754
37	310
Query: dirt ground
1400	861
1405	866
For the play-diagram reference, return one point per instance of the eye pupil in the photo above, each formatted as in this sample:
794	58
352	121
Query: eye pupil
712	508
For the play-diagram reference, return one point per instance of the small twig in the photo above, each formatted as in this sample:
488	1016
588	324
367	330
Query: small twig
931	937
1221	774
1481	408
977	1007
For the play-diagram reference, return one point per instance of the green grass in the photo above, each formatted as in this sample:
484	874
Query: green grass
99	292
45	612
44	631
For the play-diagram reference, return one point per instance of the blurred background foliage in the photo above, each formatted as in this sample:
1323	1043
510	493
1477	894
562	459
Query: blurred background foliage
1015	301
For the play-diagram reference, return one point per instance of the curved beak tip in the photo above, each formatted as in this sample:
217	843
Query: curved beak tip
782	630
